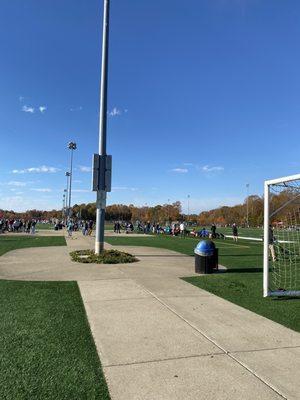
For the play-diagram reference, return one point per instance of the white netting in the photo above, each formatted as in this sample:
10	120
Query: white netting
284	250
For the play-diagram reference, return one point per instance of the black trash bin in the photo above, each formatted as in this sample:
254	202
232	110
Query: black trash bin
206	257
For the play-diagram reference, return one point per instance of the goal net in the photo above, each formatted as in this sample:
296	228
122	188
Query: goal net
282	237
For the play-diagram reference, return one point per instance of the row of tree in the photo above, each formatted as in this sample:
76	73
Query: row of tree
253	207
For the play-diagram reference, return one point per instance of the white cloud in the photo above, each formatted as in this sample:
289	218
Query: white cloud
42	169
114	112
21	98
207	168
43	190
132	189
180	170
76	108
28	109
81	191
83	168
42	109
16	183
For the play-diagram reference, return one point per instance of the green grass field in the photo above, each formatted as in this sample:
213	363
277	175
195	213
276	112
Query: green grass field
46	347
241	284
17	241
40	226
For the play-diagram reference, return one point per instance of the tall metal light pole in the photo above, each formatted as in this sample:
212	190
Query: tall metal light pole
63	208
67	193
101	190
247	204
71	146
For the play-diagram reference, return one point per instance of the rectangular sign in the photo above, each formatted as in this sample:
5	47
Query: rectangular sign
101	173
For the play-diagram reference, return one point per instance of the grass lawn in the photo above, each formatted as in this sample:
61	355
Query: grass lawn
17	241
46	347
42	226
241	284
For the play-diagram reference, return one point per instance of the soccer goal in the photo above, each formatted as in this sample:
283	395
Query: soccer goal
282	237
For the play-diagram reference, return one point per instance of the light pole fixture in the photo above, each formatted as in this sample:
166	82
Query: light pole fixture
71	146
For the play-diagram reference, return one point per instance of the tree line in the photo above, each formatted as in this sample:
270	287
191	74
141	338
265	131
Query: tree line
225	215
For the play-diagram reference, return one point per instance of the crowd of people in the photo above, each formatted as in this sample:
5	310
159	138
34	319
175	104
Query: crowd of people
181	229
17	225
86	226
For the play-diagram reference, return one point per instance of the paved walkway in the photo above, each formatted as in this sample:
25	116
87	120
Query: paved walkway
159	337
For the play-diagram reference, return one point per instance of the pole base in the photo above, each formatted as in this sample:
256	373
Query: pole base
99	247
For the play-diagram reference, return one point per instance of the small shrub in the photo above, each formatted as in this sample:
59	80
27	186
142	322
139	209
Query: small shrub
107	257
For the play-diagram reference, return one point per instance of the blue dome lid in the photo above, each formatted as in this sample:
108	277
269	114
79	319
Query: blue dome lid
205	248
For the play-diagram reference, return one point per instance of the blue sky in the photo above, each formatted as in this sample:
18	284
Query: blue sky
204	97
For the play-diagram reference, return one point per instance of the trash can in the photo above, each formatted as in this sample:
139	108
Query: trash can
206	257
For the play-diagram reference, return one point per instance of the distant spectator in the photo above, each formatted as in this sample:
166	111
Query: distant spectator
33	224
235	232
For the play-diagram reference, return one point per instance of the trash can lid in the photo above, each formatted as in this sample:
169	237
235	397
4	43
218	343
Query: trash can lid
205	248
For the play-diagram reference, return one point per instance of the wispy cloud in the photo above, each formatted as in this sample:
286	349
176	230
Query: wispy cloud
42	169
81	191
42	109
207	168
132	189
180	170
79	108
43	190
21	98
114	112
83	168
28	109
16	183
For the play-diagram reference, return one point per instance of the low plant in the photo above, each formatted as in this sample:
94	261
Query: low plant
106	257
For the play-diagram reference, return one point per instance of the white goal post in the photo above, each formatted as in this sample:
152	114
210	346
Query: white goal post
281	260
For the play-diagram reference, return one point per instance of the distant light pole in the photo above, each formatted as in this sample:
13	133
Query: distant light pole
67	192
71	146
102	190
188	206
247	204
64	205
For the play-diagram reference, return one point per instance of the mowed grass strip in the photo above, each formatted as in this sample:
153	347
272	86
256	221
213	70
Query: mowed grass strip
241	284
46	347
17	241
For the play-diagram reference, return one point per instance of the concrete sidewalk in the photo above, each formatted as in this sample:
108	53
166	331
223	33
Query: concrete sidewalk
159	337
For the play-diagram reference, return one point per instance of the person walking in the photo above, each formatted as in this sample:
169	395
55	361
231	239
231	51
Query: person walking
91	224
70	228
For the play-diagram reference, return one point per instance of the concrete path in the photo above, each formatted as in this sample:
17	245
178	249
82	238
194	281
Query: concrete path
159	337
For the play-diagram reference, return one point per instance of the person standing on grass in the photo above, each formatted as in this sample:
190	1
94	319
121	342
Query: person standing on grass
182	229
33	224
271	243
235	232
213	231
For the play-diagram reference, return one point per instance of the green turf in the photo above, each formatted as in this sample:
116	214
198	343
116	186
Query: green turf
17	241
46	347
46	226
242	284
245	290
